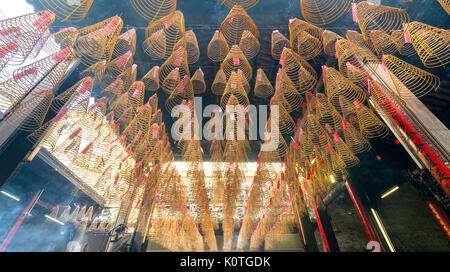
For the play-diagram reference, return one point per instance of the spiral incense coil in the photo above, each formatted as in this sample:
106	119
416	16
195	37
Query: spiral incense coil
152	10
382	42
49	133
317	134
306	39
151	79
114	69
336	86
405	75
357	75
219	83
445	4
263	87
329	39
235	60
406	49
369	124
96	70
76	98
245	83
183	91
345	152
128	76
431	44
358	39
249	45
285	122
354	139
234	88
235	24
192	47
20	35
323	12
126	42
68	11
61	39
171	81
198	82
285	91
279	42
277	154
30	114
303	76
178	60
348	52
218	47
162	35
96	42
380	98
377	17
327	115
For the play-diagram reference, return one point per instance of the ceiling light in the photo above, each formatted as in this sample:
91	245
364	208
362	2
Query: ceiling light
10	195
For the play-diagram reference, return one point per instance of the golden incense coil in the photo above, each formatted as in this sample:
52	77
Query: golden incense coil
303	76
285	91
152	10
345	152
96	70
359	40
323	12
279	42
19	36
377	17
192	47
445	4
235	60
171	81
405	48
96	42
327	115
249	45
114	69
178	60
234	88
337	86
183	91
60	39
382	42
151	79
246	4
431	43
245	83
348	52
306	39
354	139
263	87
234	25
329	39
76	98
218	47
285	122
219	83
162	35
198	82
126	42
405	75
369	124
69	11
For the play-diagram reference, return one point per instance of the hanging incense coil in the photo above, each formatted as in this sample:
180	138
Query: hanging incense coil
171	81
68	11
249	45
279	42
369	124
345	152
152	10
151	79
125	42
302	75
198	82
359	57
113	91
235	60
162	35
177	61
219	83
445	4
113	69
406	49
76	98
96	42
218	47
306	39
382	42
96	70
245	82
246	4
405	75
359	40
184	91
329	39
431	44
354	139
327	115
377	17
285	122
234	25
21	34
263	87
192	47
61	39
357	75
286	93
337	86
234	88
323	12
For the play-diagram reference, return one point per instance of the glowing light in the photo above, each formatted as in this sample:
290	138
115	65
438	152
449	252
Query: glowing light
383	231
10	195
390	192
54	220
332	179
